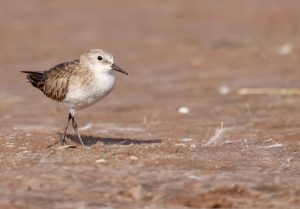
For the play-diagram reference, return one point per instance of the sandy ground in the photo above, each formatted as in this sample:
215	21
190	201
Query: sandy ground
141	152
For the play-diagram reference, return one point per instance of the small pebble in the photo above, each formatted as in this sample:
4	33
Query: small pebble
224	90
285	49
183	110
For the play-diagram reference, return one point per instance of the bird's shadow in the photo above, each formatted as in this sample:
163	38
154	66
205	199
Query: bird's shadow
91	140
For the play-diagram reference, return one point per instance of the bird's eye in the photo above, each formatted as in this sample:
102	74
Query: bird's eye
99	58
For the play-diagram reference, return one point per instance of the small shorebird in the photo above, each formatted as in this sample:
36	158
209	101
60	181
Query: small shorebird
79	83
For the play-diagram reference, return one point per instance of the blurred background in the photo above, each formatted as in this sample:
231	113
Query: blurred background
187	63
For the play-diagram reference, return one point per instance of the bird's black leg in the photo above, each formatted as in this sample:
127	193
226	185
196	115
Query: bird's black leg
63	138
74	124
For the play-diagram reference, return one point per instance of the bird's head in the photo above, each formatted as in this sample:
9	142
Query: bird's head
101	61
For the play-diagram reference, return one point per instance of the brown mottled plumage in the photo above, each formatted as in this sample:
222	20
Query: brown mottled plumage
54	82
79	83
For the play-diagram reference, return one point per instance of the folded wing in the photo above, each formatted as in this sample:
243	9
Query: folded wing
54	82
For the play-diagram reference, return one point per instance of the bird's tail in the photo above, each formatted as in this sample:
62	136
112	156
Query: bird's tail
35	78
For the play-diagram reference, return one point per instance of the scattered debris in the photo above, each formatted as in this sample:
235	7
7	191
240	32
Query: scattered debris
219	133
192	146
224	90
180	144
132	157
67	147
9	144
101	161
186	139
183	110
285	49
270	91
273	145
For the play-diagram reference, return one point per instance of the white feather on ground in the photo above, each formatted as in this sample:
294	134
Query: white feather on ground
273	145
219	134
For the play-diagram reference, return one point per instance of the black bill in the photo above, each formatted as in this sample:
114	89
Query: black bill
117	68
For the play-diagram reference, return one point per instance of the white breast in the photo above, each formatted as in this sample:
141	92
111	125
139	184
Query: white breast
83	94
